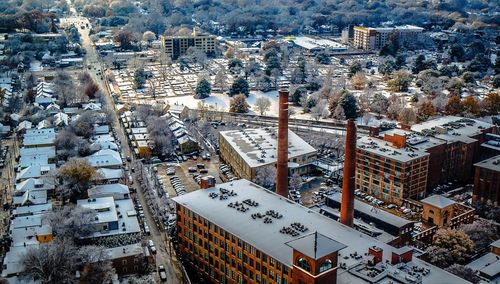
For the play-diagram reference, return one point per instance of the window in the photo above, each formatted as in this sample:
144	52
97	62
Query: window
325	266
304	264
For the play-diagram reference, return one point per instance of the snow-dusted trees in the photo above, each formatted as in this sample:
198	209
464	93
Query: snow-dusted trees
71	222
56	262
262	104
161	135
449	247
266	177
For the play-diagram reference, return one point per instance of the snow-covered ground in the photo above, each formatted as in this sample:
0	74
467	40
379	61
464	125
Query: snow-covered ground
220	101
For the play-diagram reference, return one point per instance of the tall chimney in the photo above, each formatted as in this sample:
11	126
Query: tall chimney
347	204
282	164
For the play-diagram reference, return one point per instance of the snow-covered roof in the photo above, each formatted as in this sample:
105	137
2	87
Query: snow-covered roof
109	190
452	128
438	201
318	43
34	171
492	163
258	147
385	149
105	158
269	238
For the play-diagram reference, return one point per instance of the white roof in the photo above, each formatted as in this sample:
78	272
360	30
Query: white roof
110	174
124	251
34	171
32	209
385	149
104	207
267	237
492	163
34	137
438	201
111	208
26	221
452	128
105	158
108	190
318	43
34	183
246	143
32	196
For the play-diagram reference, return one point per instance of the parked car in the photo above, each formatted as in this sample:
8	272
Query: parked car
163	273
192	169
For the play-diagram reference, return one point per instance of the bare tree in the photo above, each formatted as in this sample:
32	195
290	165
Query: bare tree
84	125
464	272
71	222
51	263
97	266
318	110
262	104
266	177
395	107
296	181
161	135
407	116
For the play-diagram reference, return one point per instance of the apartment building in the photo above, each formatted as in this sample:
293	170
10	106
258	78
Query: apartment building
390	171
376	38
176	46
239	232
247	151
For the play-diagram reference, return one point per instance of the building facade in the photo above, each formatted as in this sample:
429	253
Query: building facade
376	38
249	151
487	181
176	46
390	172
269	240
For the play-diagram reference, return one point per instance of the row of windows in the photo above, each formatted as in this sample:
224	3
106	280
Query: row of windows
229	245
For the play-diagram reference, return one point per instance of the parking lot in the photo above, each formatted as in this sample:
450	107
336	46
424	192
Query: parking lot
185	176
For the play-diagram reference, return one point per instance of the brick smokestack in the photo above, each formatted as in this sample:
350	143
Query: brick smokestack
282	164
347	204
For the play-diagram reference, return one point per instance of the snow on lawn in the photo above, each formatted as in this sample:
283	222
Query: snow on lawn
221	101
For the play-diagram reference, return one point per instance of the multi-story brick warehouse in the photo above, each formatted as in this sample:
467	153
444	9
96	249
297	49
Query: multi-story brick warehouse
176	46
239	232
463	138
487	181
247	151
389	170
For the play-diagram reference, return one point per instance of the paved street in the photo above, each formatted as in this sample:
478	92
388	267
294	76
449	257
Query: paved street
92	59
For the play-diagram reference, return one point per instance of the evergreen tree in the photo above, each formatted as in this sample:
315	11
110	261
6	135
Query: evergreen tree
350	106
239	86
203	89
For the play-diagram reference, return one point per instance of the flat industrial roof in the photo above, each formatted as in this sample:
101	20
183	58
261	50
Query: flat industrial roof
492	163
414	139
237	212
317	43
452	128
384	149
488	264
369	210
258	146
